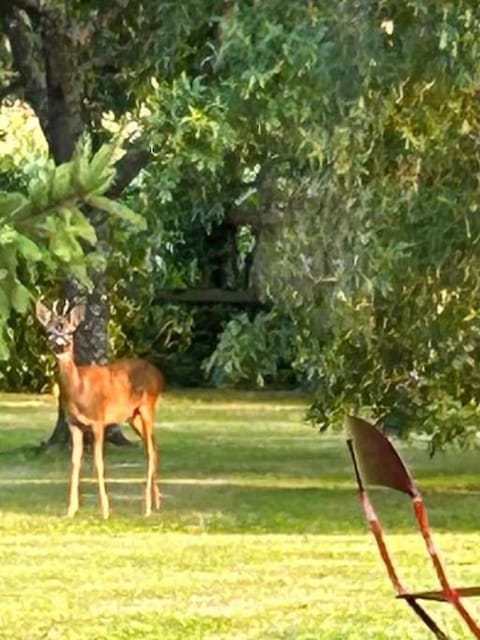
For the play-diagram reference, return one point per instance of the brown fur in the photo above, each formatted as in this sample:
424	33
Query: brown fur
96	396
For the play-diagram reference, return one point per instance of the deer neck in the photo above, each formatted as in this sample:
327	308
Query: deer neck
69	374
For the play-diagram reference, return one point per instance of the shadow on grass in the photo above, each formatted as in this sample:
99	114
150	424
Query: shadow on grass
250	475
237	507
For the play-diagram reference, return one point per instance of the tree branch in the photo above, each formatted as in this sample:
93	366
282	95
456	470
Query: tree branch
128	168
10	89
31	7
65	82
27	59
209	296
102	18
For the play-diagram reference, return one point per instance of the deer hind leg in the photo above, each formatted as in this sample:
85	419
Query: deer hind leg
142	422
156	495
98	439
155	489
77	454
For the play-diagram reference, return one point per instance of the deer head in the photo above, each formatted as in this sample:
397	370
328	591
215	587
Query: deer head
60	325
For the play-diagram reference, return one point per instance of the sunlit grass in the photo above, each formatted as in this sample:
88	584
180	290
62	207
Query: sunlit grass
259	535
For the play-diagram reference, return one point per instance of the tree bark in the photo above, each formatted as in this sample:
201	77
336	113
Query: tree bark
91	339
210	296
45	51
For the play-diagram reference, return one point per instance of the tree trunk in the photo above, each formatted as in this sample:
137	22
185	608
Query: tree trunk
45	45
91	339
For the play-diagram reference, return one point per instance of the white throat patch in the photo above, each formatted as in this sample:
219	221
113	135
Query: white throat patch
66	355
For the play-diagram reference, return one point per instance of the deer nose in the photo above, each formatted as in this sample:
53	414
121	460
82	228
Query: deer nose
58	340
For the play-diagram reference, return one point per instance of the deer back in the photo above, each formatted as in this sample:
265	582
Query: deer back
112	393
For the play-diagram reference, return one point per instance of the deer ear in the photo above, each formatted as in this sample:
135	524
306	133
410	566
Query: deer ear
44	315
77	315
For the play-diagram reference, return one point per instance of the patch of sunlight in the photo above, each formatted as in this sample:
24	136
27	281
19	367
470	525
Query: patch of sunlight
258	482
24	398
27	402
226	397
26	481
126	465
183	421
251	482
246	406
128	497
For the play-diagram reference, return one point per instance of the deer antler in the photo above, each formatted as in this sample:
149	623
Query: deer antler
64	311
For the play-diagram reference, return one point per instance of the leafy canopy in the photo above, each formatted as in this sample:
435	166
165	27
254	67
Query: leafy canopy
46	227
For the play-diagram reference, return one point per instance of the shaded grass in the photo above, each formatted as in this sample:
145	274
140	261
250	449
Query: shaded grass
259	535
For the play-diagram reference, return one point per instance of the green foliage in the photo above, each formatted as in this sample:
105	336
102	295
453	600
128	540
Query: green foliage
343	137
365	126
45	229
216	134
29	364
387	320
251	352
158	331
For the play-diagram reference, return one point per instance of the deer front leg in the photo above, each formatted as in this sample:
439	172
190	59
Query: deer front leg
98	438
77	453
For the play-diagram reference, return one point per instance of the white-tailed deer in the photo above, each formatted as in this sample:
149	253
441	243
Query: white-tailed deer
96	396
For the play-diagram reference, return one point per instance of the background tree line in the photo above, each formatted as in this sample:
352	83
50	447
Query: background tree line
306	175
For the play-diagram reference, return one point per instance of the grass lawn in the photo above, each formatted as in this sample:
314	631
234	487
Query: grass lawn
259	535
